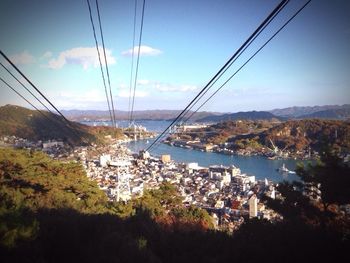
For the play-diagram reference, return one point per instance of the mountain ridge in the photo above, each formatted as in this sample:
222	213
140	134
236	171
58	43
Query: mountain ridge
300	111
295	112
246	115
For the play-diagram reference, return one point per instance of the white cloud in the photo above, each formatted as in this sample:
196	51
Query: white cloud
46	55
143	82
84	56
70	99
22	58
138	94
94	95
165	87
144	51
123	86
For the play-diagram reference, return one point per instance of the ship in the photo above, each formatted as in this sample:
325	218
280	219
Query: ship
284	169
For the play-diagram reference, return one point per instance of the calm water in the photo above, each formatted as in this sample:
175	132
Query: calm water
255	165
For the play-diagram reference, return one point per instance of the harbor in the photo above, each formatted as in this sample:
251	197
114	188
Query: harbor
259	166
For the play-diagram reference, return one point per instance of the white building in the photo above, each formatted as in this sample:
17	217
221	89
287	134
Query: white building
124	164
144	155
105	159
193	166
253	206
235	171
226	178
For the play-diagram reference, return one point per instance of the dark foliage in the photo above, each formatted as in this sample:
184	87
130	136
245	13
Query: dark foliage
92	232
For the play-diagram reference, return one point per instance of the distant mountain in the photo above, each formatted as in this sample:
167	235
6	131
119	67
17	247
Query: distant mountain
300	112
81	115
32	125
248	115
335	114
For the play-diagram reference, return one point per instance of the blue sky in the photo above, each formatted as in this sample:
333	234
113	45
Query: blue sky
184	44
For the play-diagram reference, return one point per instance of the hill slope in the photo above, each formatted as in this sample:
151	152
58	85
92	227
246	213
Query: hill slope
32	125
299	135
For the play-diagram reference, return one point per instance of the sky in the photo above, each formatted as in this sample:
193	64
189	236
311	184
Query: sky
184	43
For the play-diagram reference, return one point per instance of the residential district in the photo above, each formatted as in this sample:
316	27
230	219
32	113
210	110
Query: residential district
229	195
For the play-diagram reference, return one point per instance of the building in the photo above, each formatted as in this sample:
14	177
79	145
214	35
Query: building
105	159
193	166
50	144
235	170
122	164
253	206
144	155
226	178
165	158
185	128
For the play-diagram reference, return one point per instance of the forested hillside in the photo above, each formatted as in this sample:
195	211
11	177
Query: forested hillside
50	212
33	125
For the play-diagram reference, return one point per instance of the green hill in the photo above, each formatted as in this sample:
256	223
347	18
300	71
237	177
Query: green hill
315	133
30	124
293	135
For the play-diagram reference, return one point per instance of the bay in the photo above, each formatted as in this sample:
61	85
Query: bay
258	166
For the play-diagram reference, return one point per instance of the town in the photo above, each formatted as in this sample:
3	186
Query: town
228	195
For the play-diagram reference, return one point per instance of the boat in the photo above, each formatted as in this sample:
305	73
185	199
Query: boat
284	169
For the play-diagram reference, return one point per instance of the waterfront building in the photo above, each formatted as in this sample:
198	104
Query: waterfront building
165	158
235	170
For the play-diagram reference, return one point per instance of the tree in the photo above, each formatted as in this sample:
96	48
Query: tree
323	185
328	181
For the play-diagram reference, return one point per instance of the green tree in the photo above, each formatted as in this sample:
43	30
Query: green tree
322	186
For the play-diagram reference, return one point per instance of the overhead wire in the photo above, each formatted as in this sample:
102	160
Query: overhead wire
231	63
132	62
99	59
28	90
37	90
52	117
137	61
31	104
272	37
271	15
63	119
106	64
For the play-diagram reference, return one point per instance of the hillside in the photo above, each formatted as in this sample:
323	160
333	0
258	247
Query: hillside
299	135
51	212
248	115
256	136
221	132
32	125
